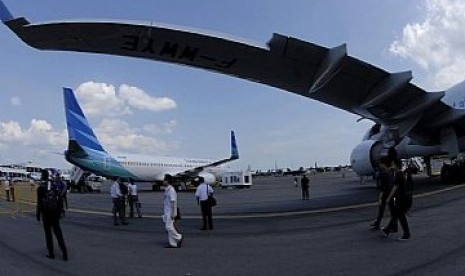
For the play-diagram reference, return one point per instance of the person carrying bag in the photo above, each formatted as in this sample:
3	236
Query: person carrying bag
204	196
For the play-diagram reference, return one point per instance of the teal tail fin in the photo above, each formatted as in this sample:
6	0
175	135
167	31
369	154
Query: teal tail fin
80	133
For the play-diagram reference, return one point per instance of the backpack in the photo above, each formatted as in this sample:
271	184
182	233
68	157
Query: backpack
52	200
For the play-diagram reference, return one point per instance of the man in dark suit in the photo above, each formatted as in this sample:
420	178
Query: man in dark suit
50	213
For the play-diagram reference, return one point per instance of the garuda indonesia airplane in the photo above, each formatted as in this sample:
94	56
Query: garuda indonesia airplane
415	122
86	152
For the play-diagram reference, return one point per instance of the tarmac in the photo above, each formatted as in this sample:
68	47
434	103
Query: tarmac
265	230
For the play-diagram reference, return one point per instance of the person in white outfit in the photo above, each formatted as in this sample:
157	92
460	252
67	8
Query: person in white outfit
118	203
133	199
170	205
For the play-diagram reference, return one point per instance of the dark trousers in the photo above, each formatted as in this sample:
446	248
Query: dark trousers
206	214
7	195
305	193
118	208
134	200
65	200
399	215
381	209
53	223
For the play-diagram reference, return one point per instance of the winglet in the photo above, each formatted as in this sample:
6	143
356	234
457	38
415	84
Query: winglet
79	131
5	14
234	149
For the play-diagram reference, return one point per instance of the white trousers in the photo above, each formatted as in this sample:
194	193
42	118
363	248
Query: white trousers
173	236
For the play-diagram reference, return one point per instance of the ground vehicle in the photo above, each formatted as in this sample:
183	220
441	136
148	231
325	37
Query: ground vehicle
94	183
239	179
14	174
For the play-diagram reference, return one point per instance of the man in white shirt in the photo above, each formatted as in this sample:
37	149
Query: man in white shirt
170	206
133	199
202	193
118	203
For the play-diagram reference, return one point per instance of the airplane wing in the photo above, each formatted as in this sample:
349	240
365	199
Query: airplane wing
195	171
328	75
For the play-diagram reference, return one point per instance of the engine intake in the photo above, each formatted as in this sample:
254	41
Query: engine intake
365	156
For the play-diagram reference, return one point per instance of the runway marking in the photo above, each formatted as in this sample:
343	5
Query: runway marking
283	214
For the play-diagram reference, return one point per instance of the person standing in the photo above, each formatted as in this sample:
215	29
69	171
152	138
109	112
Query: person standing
202	193
304	182
62	188
295	180
385	180
6	187
118	203
49	209
64	192
123	187
12	188
170	207
399	197
133	199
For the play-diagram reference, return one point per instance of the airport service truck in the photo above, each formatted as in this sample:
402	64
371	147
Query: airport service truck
239	179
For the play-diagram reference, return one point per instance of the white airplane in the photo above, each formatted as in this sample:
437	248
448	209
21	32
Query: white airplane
417	123
86	152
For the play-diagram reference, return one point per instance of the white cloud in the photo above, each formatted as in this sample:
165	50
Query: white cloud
166	127
15	101
114	134
99	99
104	99
139	99
437	43
117	135
39	133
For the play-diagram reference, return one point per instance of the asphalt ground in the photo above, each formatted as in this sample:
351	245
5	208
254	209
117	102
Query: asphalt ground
306	238
267	195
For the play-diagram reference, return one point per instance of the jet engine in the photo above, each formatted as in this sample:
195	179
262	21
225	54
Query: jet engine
208	177
365	156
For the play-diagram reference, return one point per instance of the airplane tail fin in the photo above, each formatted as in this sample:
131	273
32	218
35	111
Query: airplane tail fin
5	14
80	134
234	149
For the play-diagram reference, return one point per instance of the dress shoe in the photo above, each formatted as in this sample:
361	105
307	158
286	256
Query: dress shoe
385	232
180	242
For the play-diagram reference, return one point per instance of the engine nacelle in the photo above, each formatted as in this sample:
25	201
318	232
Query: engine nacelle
208	177
365	156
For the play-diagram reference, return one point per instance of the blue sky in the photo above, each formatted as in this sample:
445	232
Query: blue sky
142	106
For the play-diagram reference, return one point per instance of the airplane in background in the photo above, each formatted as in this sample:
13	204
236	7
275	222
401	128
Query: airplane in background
86	152
414	122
